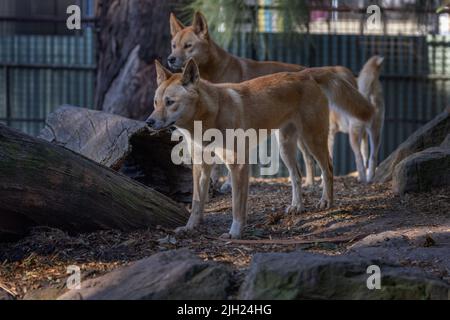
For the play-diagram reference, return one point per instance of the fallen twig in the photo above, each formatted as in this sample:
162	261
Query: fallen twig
217	210
7	290
294	241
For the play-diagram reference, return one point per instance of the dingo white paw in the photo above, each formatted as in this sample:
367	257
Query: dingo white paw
181	230
229	236
324	204
308	184
295	210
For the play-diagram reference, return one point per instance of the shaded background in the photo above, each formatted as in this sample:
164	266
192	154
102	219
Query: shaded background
43	65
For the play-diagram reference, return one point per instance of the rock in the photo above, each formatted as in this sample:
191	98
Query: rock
423	171
412	237
431	135
410	247
171	275
44	294
4	295
301	275
390	239
123	145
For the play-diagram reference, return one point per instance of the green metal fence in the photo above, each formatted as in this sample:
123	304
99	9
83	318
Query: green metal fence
40	73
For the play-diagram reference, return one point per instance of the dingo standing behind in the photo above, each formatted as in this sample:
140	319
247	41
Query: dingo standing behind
296	103
363	136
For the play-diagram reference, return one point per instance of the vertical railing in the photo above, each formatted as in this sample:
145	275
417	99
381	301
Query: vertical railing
7	94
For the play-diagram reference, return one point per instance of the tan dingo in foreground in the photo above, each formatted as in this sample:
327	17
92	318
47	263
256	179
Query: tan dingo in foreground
296	103
218	66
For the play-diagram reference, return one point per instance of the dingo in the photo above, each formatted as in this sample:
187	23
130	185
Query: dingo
218	66
296	103
362	134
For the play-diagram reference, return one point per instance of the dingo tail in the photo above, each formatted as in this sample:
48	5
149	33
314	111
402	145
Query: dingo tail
342	93
369	78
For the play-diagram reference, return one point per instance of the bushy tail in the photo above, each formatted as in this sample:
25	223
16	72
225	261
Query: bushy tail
342	93
370	76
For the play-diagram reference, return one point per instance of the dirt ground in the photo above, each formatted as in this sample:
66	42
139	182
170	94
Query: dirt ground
38	263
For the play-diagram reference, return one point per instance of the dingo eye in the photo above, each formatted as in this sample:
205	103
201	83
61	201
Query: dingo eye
188	45
174	46
169	102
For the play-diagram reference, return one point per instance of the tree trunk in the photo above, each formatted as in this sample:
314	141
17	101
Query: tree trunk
132	35
42	184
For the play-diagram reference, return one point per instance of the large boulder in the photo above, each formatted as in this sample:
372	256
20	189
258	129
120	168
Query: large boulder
171	275
301	275
427	247
430	135
423	171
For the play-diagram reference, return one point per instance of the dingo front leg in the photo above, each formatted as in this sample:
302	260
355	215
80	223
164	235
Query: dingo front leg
240	185
201	177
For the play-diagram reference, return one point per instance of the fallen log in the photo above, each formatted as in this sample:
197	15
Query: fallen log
123	145
42	184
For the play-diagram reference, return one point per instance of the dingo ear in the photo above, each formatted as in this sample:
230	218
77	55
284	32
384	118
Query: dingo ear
175	25
379	61
200	25
162	74
191	74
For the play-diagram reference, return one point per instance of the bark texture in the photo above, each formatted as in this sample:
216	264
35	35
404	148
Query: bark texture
123	145
42	184
132	35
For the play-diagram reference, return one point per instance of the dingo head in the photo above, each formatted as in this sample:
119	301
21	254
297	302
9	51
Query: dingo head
189	42
176	97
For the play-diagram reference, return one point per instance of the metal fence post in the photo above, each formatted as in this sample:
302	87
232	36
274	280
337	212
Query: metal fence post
7	95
